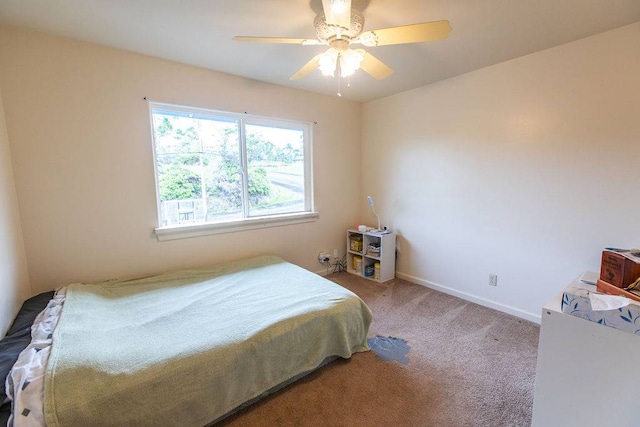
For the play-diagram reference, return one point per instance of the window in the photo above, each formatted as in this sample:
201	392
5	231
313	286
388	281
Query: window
221	169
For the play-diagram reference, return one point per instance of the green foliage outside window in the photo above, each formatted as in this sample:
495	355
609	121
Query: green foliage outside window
186	158
178	182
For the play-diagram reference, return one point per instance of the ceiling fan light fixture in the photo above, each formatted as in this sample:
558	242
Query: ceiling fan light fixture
340	7
350	61
338	12
328	61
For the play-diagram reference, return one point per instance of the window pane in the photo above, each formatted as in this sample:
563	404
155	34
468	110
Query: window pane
224	186
180	188
208	171
197	163
222	170
275	170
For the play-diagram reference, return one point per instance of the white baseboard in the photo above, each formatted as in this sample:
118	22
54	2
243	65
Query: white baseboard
536	318
322	272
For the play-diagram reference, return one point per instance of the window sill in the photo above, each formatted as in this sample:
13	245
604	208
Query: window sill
188	231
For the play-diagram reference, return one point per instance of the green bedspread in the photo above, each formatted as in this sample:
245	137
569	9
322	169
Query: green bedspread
185	348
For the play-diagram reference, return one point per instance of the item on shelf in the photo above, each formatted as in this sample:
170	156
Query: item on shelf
355	242
368	271
370	200
373	249
357	264
634	288
608	288
376	268
578	300
620	267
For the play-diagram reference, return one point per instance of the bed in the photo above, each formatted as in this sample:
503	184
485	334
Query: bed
183	348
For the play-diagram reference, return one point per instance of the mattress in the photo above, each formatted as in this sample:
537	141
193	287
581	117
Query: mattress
189	347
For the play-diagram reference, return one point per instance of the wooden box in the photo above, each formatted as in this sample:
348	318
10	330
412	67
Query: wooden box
618	270
608	288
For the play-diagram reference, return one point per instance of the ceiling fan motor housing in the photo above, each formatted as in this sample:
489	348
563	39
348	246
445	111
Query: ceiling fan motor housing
328	33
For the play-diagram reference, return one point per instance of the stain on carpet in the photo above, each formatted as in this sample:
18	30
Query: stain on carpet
390	348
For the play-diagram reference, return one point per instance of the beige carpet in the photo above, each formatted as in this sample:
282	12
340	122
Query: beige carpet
468	366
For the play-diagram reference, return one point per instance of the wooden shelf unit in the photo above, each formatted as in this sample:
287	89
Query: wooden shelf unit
386	257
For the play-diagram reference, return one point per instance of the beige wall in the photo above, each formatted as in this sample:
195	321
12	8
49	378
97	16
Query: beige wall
14	278
81	146
526	169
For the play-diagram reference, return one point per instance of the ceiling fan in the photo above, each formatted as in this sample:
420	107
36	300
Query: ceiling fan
342	26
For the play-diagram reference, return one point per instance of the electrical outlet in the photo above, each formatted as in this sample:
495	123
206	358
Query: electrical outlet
493	280
324	257
335	254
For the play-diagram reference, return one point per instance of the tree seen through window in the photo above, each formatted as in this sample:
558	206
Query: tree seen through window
206	172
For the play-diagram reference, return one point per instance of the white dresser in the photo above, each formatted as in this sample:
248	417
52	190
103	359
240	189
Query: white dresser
588	374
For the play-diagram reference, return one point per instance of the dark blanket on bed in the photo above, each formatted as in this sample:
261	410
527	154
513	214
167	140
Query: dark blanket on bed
17	339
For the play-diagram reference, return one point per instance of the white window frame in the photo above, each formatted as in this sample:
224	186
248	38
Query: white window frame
247	222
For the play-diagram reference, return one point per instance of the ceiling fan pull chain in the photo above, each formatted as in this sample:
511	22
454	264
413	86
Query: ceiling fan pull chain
339	73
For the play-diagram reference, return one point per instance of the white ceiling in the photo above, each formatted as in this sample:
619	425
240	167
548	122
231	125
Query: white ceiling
199	32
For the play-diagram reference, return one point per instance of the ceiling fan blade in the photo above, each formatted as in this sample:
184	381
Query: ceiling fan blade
374	67
285	40
427	31
306	69
337	12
